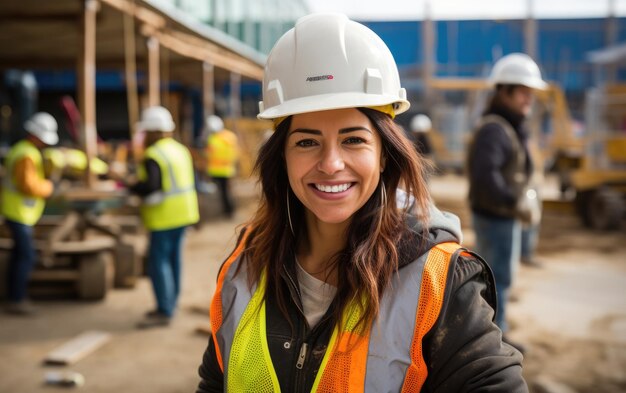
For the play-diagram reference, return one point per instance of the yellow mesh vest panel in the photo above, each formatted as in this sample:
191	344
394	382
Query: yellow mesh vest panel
250	367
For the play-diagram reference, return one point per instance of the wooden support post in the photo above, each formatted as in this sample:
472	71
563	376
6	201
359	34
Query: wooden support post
131	72
165	77
208	89
235	97
530	32
153	71
428	65
87	85
612	35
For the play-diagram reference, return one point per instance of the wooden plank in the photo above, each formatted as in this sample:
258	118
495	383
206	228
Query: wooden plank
87	246
143	14
196	48
54	275
6	243
77	348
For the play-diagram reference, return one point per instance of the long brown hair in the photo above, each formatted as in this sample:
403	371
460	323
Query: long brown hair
370	258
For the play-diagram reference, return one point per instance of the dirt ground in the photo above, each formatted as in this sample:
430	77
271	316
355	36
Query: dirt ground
571	314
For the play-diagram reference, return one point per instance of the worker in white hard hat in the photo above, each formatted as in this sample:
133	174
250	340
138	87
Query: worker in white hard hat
24	190
222	151
332	286
500	168
166	185
421	126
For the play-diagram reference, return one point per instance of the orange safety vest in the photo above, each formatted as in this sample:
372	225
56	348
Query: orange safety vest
388	347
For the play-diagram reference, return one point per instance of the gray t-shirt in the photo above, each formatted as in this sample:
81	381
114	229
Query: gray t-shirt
316	295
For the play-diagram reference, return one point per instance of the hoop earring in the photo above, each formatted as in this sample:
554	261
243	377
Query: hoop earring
289	215
383	202
383	193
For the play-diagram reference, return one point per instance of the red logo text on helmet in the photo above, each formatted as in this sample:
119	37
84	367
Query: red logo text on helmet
319	78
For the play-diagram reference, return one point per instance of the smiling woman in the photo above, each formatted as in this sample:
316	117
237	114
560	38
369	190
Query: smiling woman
333	287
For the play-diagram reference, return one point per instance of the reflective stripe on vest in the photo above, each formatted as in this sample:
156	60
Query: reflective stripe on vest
388	358
15	205
223	153
176	204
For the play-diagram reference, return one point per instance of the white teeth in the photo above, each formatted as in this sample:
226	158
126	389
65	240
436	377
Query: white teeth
333	189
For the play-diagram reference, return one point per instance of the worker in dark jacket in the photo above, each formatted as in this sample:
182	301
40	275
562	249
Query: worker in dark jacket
333	285
500	167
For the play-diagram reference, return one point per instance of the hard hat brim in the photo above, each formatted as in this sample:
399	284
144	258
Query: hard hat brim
533	83
148	127
331	101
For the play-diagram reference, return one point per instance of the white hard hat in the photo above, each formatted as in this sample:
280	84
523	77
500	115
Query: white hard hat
156	118
44	127
329	62
421	123
214	123
517	69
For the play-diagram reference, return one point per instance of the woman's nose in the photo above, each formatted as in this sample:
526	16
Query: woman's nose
331	160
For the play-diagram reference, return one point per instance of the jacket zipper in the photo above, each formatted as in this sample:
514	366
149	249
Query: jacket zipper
300	372
302	356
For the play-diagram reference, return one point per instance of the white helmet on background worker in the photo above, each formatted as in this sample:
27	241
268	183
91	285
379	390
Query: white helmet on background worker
156	118
517	69
329	62
421	123
214	124
44	127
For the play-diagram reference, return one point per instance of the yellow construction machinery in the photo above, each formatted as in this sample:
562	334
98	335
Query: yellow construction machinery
592	165
600	179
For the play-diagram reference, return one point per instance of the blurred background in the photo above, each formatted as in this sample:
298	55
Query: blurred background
95	64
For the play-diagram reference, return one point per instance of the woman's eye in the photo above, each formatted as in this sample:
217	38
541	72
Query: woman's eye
353	140
306	143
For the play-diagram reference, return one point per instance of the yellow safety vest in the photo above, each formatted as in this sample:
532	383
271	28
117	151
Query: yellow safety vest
77	161
74	159
356	361
176	204
223	152
15	205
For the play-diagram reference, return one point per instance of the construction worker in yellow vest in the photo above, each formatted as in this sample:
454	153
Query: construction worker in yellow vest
334	286
24	189
169	204
71	162
222	158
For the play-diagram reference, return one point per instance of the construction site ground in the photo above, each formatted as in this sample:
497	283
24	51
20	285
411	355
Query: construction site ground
570	314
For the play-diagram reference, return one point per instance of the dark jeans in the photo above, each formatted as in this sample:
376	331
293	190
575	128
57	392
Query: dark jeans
223	184
22	260
498	242
164	267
